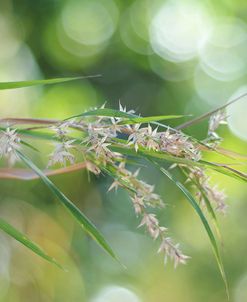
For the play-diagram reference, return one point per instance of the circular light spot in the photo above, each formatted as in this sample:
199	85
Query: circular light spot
178	29
171	71
224	55
89	22
214	92
116	294
131	38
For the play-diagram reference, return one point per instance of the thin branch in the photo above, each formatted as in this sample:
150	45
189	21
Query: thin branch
24	174
204	116
28	121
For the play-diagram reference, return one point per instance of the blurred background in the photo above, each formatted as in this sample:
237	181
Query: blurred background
157	57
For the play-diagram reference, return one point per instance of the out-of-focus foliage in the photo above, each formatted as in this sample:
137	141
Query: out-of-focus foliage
160	57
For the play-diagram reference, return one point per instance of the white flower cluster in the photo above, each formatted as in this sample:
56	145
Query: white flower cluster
143	197
99	133
175	143
217	119
61	153
9	143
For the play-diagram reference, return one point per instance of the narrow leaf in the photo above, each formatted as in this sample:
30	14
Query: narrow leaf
84	222
21	84
161	156
207	202
105	112
29	146
206	225
10	230
141	120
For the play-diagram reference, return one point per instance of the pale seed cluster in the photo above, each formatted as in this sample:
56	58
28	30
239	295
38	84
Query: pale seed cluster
9	143
143	198
217	119
97	135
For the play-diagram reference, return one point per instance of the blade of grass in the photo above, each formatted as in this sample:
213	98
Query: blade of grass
21	84
13	232
206	225
84	222
141	120
105	112
29	146
221	168
131	118
207	202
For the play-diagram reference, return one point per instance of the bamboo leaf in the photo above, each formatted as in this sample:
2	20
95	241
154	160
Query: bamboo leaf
21	84
161	156
83	221
105	112
13	232
207	202
131	118
141	120
29	146
206	225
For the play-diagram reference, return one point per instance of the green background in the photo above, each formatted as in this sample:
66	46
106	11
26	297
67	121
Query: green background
158	58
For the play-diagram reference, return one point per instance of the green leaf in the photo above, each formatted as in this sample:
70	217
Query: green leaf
206	225
131	118
10	230
141	120
29	146
210	208
21	84
162	156
84	222
105	112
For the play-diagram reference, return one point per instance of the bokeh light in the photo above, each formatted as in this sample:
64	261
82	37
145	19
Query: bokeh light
178	29
224	55
158	57
116	293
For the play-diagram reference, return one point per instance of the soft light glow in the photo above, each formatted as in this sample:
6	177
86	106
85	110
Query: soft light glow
89	22
178	29
214	92
224	56
116	294
171	71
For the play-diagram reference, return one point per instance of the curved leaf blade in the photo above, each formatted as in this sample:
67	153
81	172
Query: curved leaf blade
105	112
83	221
161	156
209	206
17	235
206	225
149	119
130	118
